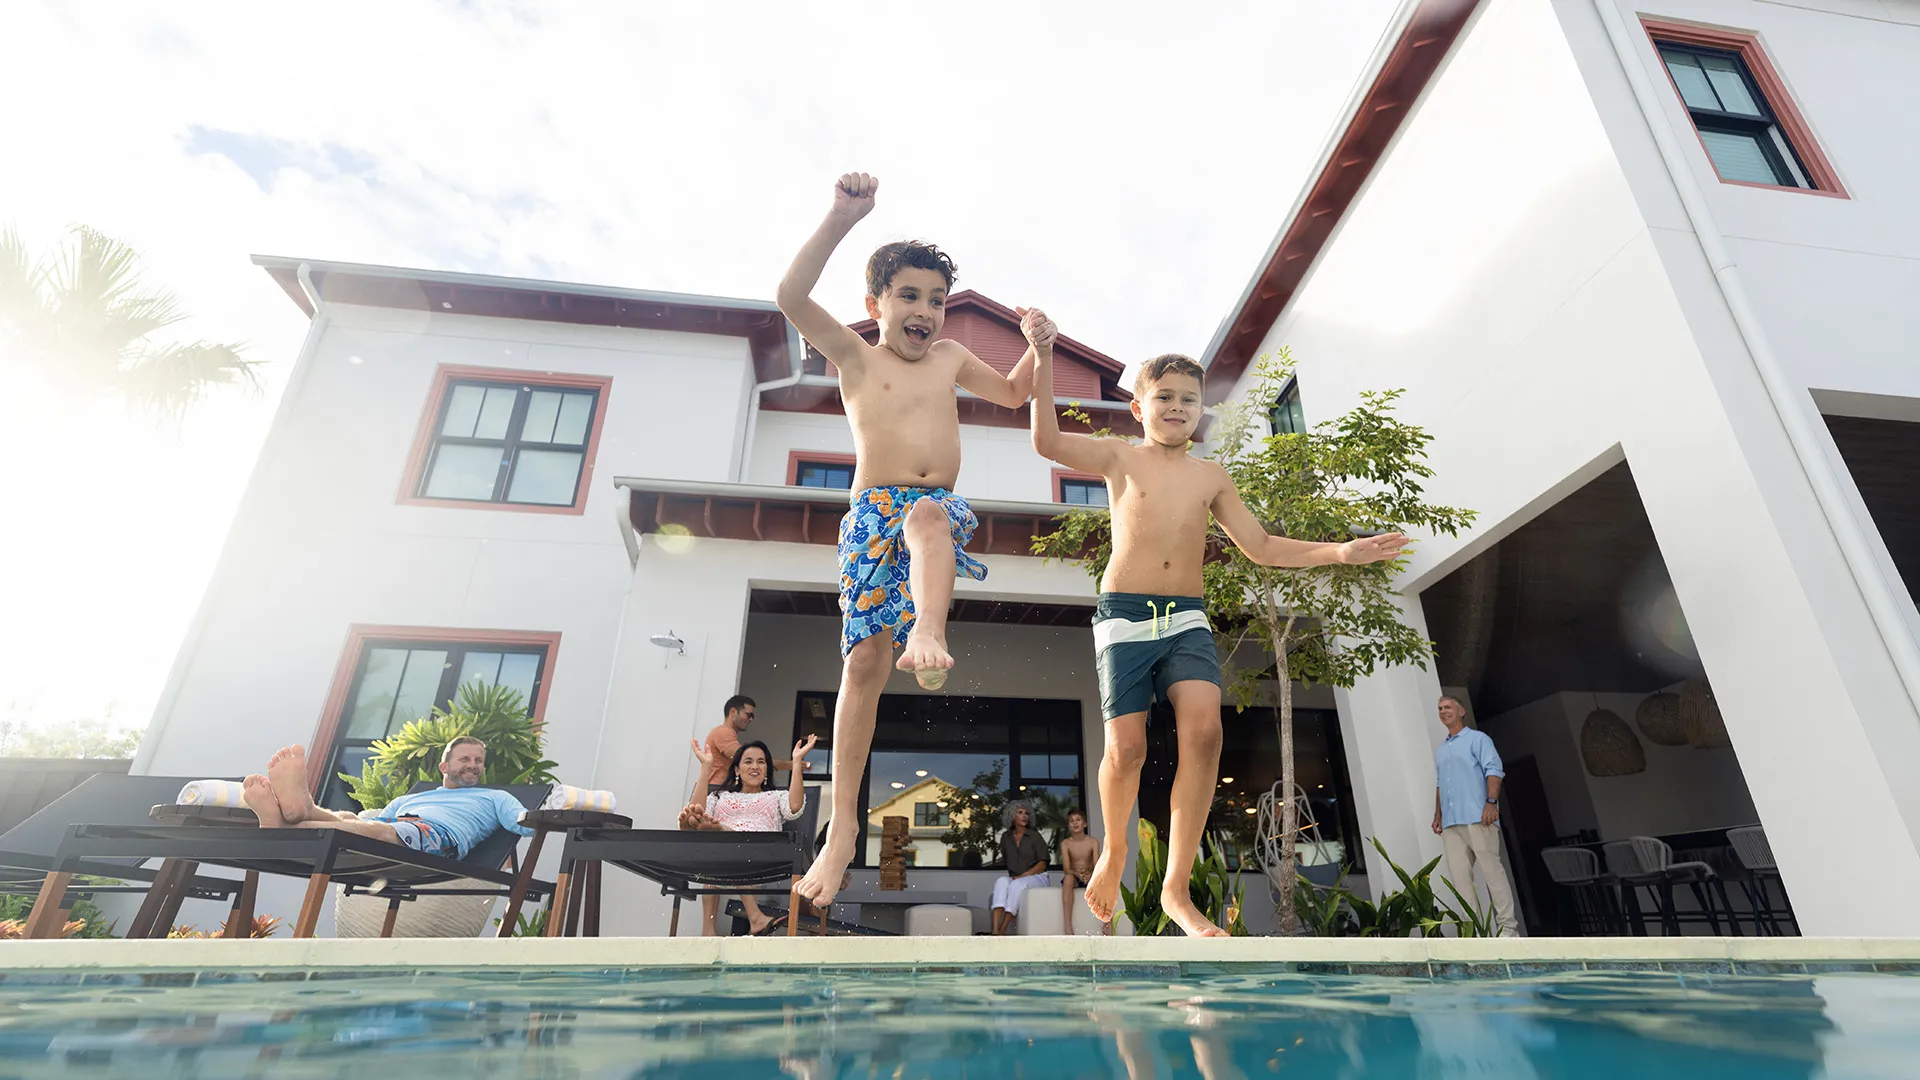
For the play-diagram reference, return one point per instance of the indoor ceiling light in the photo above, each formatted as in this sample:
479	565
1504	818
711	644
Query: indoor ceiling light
1226	779
920	772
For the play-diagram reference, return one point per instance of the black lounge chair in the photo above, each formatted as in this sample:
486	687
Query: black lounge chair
30	864
685	864
228	836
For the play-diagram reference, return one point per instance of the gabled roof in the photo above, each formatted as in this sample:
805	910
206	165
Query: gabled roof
1399	74
759	321
994	312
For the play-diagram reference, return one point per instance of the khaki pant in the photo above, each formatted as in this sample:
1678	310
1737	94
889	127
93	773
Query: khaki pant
1469	846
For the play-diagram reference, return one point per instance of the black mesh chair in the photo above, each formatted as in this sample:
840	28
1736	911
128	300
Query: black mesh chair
1577	871
1756	858
1646	862
231	836
686	864
30	862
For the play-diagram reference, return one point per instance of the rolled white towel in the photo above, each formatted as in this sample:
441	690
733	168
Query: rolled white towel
567	797
211	793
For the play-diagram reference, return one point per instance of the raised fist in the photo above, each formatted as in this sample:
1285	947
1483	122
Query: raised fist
853	195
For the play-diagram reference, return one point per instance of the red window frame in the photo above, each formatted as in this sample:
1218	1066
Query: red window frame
1786	113
443	379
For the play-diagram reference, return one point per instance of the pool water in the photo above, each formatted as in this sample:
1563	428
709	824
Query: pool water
817	1025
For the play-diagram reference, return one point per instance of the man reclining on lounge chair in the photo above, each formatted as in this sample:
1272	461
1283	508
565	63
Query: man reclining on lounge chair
448	820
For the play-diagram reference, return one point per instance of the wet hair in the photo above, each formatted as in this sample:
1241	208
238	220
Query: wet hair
464	740
889	259
737	701
733	769
1164	365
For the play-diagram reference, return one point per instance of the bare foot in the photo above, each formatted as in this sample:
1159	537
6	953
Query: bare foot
258	794
1103	888
288	774
1179	907
758	921
829	873
927	659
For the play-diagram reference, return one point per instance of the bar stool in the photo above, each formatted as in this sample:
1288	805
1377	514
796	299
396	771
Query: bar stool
1577	870
1756	857
1646	862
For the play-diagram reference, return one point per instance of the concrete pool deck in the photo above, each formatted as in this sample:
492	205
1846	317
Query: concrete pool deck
39	961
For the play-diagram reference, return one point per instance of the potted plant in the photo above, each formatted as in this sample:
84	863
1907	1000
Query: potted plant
497	716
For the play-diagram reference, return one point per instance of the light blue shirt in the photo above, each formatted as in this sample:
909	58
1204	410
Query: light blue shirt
469	815
1461	765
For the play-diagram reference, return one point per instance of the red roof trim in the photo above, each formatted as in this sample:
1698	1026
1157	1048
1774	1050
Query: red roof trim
967	298
1414	59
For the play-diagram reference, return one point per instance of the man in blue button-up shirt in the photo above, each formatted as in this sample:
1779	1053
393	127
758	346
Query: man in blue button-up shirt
1466	811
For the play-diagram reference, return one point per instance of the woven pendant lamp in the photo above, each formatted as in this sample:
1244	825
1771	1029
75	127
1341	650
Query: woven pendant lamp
1658	718
1700	716
1609	747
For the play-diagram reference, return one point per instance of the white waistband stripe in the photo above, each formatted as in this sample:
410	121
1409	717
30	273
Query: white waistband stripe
1116	631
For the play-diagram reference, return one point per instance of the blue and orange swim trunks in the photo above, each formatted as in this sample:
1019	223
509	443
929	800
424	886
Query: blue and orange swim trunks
874	561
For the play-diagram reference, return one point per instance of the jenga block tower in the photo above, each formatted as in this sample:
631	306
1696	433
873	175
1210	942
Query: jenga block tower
894	840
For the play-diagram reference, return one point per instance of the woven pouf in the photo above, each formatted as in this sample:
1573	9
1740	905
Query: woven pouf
361	916
939	920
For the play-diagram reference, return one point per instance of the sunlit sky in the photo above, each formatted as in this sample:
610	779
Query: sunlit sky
1122	166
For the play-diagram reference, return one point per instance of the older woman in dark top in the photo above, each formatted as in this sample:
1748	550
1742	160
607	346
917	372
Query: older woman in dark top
1025	856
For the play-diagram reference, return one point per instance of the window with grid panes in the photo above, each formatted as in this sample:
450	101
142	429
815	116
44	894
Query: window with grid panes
824	474
395	682
1286	415
1036	743
1732	116
509	443
1083	492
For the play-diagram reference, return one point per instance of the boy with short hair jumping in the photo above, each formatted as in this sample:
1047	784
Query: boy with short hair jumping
1150	629
903	541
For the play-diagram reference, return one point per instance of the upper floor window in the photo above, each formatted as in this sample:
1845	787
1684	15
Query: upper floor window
1077	492
931	815
398	676
1740	109
820	469
496	440
1286	416
824	474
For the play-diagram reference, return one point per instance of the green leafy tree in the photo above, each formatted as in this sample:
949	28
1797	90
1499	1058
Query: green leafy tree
496	715
1332	625
974	813
81	737
81	322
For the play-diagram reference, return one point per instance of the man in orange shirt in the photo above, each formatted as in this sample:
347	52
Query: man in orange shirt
723	742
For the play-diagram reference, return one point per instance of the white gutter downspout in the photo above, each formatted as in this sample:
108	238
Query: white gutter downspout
276	434
798	351
1789	400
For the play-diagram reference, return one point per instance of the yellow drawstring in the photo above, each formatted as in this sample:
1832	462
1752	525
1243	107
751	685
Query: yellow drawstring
1155	608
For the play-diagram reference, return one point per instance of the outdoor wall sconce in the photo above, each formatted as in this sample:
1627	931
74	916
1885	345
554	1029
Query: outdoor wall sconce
669	640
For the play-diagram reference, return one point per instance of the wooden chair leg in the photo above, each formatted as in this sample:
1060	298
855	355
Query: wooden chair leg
48	914
795	910
577	899
393	913
240	919
557	905
673	922
310	906
518	897
176	895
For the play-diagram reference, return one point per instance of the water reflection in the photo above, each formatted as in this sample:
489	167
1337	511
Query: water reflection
817	1027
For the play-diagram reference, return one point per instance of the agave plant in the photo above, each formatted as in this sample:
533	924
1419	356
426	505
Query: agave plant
496	715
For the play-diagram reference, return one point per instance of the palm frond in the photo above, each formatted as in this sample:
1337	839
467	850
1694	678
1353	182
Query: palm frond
168	379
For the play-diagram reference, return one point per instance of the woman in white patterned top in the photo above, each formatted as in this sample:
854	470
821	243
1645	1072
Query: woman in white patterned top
747	804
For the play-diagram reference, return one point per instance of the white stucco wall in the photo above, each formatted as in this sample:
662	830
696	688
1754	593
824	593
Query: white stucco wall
320	543
1501	268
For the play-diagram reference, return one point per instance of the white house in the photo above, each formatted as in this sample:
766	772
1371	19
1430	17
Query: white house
1646	274
1647	271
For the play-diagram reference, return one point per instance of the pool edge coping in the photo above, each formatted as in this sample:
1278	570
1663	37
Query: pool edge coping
973	954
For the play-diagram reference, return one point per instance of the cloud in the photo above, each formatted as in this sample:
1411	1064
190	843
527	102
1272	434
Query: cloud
262	157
